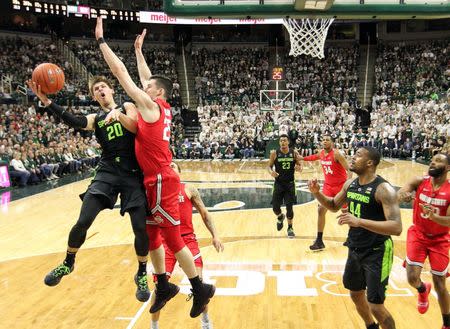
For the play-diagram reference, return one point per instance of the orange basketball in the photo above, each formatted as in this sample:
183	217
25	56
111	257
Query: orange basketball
50	77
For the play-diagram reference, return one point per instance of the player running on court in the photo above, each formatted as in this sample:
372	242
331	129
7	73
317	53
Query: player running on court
335	171
429	234
373	215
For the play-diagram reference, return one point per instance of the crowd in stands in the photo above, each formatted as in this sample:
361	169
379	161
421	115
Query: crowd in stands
230	75
38	148
406	71
409	116
332	79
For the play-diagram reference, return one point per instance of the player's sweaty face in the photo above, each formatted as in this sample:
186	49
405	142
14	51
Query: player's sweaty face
284	142
359	161
102	93
326	142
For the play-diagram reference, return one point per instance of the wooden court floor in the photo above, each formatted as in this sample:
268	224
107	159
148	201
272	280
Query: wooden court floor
264	280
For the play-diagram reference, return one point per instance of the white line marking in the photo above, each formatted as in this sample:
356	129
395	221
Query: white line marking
138	314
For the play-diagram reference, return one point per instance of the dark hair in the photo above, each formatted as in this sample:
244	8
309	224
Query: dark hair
284	135
327	133
165	83
374	155
96	79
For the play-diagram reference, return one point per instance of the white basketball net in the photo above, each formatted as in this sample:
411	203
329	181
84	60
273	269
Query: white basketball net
307	35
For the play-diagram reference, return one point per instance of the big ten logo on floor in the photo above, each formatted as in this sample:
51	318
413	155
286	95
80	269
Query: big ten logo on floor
290	280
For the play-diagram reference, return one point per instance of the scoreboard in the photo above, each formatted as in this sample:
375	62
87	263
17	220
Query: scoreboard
277	73
43	7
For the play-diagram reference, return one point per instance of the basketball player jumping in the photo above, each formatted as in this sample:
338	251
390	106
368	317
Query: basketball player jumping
117	173
189	197
286	161
161	182
336	171
429	235
373	216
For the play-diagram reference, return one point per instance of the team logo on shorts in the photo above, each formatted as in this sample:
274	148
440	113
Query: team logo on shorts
158	219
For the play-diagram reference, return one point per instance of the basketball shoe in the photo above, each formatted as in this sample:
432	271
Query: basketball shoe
201	299
163	296
280	220
55	276
422	299
142	292
317	245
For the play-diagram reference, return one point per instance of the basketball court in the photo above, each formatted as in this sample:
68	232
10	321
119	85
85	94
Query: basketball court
264	279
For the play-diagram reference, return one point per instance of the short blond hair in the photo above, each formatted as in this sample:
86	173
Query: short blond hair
96	79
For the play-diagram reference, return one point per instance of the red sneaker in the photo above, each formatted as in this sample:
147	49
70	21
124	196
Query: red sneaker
422	301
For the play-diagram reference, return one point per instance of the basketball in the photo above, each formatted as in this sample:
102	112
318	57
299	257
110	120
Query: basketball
50	77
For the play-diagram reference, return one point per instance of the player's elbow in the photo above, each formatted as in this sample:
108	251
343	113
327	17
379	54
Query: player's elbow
397	229
118	69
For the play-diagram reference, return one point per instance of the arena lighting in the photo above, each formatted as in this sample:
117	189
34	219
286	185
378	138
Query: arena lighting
42	7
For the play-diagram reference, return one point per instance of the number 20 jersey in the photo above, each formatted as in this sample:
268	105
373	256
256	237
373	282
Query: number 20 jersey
117	143
152	141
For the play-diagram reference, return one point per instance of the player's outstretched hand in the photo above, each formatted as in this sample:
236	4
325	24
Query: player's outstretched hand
99	28
38	92
140	40
112	116
348	218
404	196
314	186
218	244
427	211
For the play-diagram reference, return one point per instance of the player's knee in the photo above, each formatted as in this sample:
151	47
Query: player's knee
439	284
276	209
173	238
289	211
413	278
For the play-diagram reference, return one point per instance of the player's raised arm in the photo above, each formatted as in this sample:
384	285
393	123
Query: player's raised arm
75	121
145	104
197	202
143	69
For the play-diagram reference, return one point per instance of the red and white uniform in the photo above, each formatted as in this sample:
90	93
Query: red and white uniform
335	174
425	237
154	157
187	233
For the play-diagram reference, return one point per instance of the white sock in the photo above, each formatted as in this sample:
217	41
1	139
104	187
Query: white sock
154	325
205	318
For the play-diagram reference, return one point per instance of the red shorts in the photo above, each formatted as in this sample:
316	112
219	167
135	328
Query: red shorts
162	198
191	242
331	190
419	246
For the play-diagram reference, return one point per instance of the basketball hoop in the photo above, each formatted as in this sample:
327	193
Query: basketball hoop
307	35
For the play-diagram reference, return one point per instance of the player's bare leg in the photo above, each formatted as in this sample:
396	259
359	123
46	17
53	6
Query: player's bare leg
362	306
318	243
443	298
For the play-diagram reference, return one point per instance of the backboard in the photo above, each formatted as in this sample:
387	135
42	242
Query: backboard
338	9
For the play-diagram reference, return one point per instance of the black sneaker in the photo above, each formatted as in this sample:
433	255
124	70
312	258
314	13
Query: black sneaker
345	244
142	292
290	233
317	245
55	276
163	296
201	299
280	222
